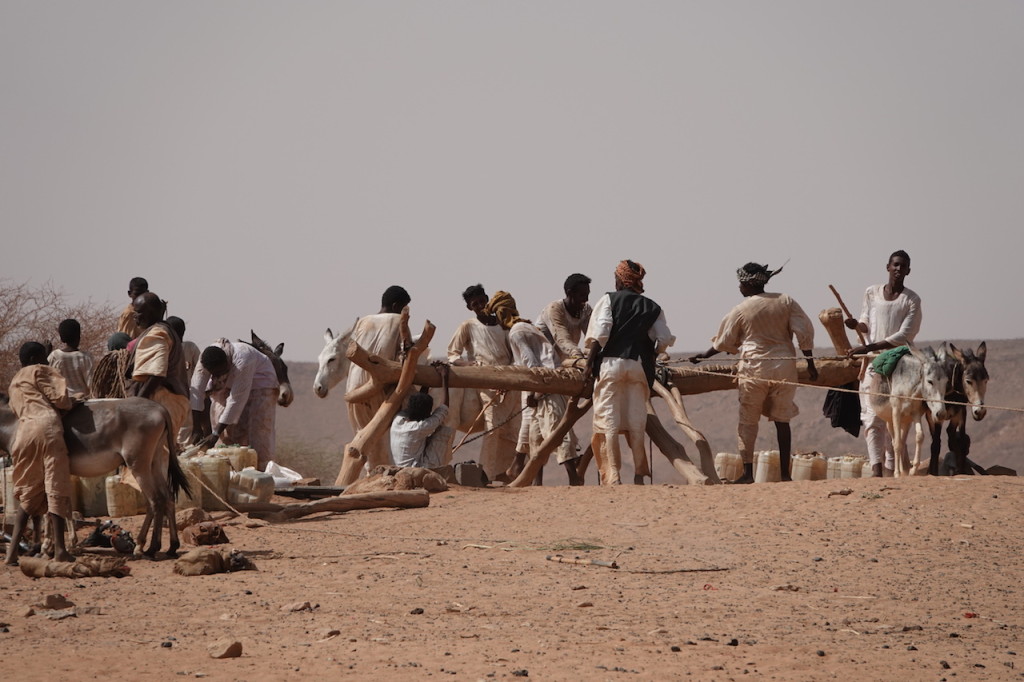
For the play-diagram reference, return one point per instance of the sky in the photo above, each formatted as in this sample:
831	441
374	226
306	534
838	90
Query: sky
276	165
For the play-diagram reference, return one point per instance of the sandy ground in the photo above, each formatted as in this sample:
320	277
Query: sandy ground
909	579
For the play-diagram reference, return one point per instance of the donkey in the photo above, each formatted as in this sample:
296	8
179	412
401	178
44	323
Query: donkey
969	382
103	434
285	395
334	364
919	380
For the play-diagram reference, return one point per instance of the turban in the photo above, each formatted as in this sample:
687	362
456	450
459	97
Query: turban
503	306
631	275
755	274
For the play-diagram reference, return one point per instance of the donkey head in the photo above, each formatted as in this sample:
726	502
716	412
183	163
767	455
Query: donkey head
975	377
334	364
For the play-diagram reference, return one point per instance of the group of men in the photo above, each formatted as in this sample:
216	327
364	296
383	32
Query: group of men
227	392
622	337
229	389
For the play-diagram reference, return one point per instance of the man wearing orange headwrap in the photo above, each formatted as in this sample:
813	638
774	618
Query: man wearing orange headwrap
627	331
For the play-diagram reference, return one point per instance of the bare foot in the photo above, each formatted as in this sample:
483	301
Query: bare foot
63	556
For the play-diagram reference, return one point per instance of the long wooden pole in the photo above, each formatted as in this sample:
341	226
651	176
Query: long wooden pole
860	334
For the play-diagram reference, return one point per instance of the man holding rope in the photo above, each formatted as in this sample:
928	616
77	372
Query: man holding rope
761	330
890	317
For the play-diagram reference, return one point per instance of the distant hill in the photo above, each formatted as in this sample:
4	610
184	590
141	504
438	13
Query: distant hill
313	431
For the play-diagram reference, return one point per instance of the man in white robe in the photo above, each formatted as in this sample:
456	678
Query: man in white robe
890	317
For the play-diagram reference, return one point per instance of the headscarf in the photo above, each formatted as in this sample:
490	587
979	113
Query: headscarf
503	307
631	275
755	274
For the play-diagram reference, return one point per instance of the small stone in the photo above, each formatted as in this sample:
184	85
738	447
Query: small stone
166	645
733	642
55	601
225	648
954	635
417	611
911	628
25	612
676	649
911	648
818	558
521	673
584	604
718	667
820	652
4	629
945	665
297	606
61	614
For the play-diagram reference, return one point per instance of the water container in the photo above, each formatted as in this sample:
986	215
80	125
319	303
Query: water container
851	466
240	456
729	466
123	499
834	467
809	466
92	495
10	505
250	485
191	468
766	467
214	471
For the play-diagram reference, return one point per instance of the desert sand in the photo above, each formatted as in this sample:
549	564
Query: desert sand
910	579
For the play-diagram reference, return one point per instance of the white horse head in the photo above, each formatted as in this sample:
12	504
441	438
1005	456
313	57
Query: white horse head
333	363
974	377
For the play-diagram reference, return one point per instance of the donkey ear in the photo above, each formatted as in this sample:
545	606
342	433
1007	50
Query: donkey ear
982	352
255	339
279	349
957	353
328	336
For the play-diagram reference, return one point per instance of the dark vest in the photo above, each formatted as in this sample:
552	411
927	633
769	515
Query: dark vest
633	315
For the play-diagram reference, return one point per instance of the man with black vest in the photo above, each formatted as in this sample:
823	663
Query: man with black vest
626	333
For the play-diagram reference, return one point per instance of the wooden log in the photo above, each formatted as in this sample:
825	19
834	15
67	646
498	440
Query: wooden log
674	401
690	380
576	408
674	451
834	322
401	499
353	460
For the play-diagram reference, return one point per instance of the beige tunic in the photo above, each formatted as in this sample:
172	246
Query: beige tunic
379	334
476	343
761	329
126	322
152	357
76	367
563	330
42	474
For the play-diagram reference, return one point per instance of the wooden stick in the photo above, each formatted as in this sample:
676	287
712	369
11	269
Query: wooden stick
674	401
354	459
674	451
402	499
568	381
558	558
860	334
576	408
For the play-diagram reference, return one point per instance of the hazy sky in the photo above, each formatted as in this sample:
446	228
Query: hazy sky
277	165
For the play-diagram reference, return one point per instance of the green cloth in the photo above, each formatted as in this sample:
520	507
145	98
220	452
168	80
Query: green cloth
887	360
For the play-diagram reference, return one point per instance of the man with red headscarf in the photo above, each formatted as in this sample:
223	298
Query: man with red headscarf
626	333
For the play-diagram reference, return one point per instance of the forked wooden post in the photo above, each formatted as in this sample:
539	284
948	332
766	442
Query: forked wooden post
353	460
576	408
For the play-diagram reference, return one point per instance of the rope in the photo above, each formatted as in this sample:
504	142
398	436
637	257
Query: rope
466	441
860	392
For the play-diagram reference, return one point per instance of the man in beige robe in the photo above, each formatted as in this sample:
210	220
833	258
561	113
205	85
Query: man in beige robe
42	473
126	322
381	335
158	370
480	340
761	330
